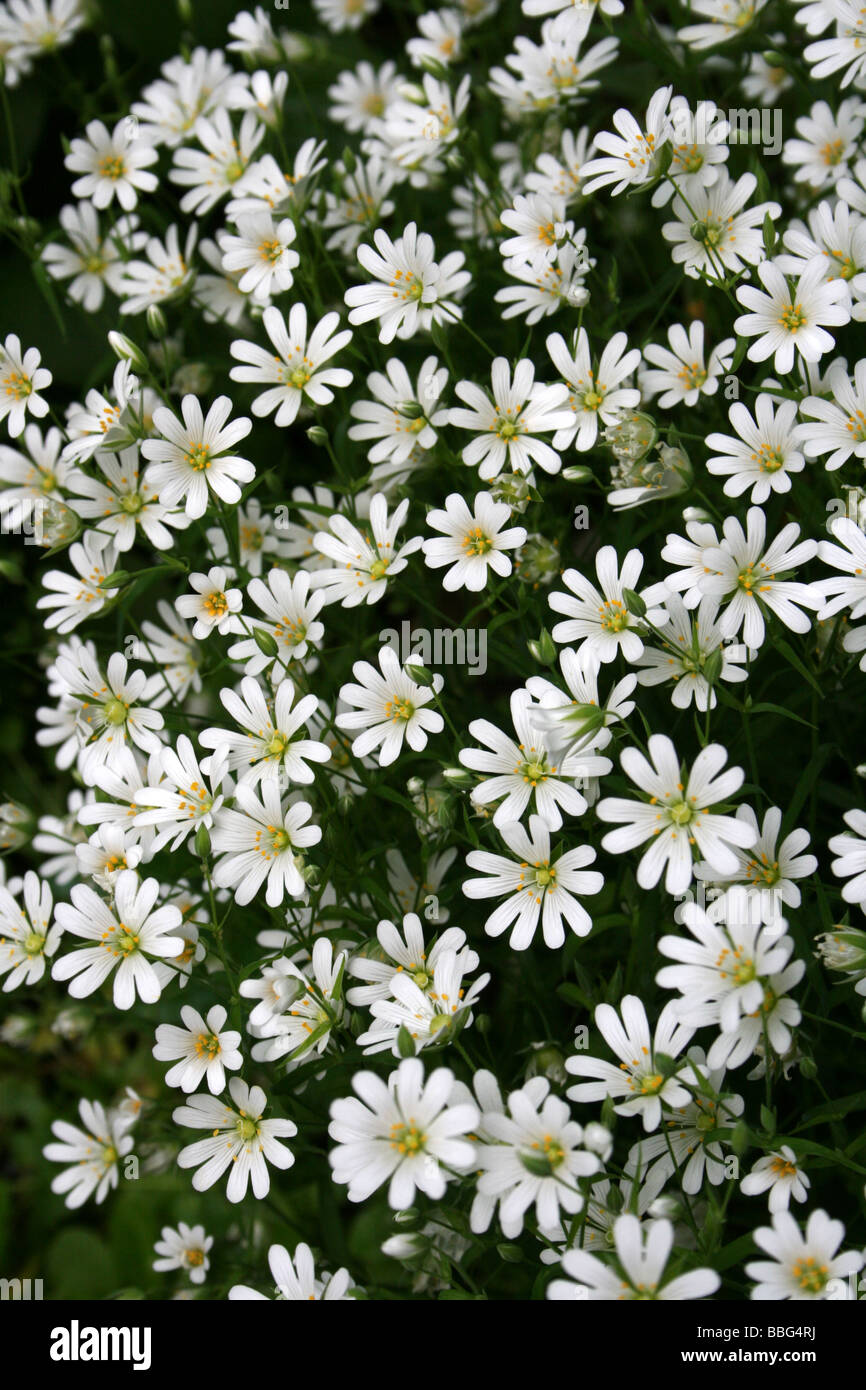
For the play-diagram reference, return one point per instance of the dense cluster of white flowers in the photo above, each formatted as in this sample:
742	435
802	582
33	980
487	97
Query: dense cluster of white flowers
453	345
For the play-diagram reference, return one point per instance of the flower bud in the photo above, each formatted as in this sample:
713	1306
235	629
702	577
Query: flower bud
125	350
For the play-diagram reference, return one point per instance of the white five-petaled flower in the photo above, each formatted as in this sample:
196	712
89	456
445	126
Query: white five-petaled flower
533	1156
779	1174
185	1248
593	395
261	253
185	796
412	290
241	1139
260	841
836	427
523	771
21	380
601	621
638	1082
125	937
642	1254
631	156
802	1267
680	372
212	605
291	618
202	1050
851	863
785	321
93	1153
473	541
507	427
363	564
764	455
537	885
27	939
297	367
401	1132
742	573
768	867
270	745
195	458
111	165
390	707
677	815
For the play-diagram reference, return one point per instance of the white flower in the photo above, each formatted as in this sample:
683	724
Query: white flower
297	371
638	1082
407	954
533	1156
785	320
507	427
851	849
112	165
580	722
681	373
363	565
829	55
107	708
539	224
400	418
413	289
802	1267
94	1154
185	1248
362	93
741	572
536	884
523	771
431	1012
21	380
260	841
779	1174
474	541
93	260
726	20
840	430
291	612
212	605
677	815
593	395
690	644
194	458
202	1050
734	975
26	938
345	14
389	707
836	238
601	621
400	1133
211	173
642	1254
262	251
127	936
119	504
107	854
713	231
271	746
295	1279
631	156
308	1007
166	273
769	867
829	143
692	1138
764	455
181	796
547	287
241	1140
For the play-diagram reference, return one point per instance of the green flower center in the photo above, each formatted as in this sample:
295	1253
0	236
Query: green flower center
298	378
277	745
132	503
209	1043
115	711
112	167
792	318
475	542
197	457
399	708
614	616
280	839
545	1157
247	1129
33	944
378	569
811	1276
681	812
407	1138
